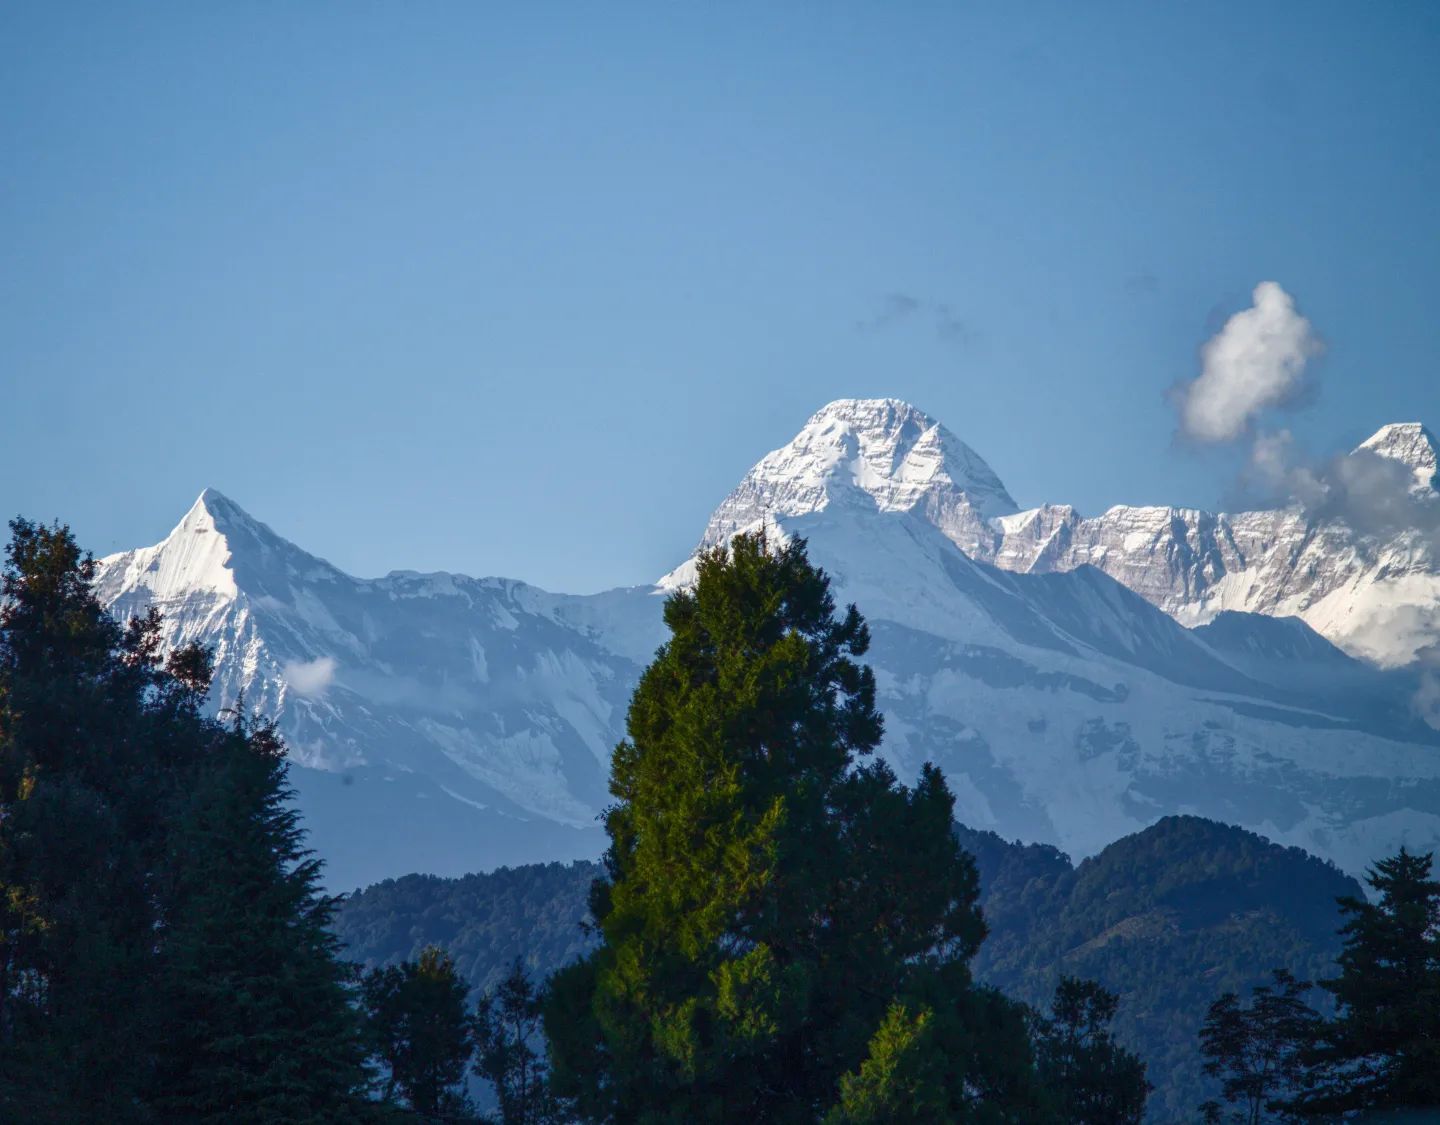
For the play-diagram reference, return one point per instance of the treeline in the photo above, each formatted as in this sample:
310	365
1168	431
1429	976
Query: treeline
781	931
165	953
1282	1059
1166	918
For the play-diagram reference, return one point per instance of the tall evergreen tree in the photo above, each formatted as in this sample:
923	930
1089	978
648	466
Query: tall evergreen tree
421	1034
1382	1049
261	1020
1093	1080
770	893
163	948
98	736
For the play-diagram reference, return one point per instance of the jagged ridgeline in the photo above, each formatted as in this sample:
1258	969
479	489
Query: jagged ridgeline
1168	918
442	723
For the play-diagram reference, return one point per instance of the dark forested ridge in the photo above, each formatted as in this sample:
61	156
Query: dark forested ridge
1167	918
485	922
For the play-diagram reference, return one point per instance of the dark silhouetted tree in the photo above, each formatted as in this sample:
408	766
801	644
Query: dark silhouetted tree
261	1020
420	1032
164	953
99	737
1256	1049
1092	1079
509	1055
1382	1049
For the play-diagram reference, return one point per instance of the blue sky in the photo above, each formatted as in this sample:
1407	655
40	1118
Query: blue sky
525	289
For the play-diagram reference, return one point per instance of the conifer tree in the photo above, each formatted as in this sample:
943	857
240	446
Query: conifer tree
261	1024
1093	1080
901	1081
770	892
1382	1049
98	736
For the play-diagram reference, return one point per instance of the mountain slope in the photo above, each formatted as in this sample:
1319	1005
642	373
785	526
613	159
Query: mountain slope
444	723
426	712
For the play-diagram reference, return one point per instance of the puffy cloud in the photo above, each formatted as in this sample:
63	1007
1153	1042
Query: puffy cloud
310	678
1255	362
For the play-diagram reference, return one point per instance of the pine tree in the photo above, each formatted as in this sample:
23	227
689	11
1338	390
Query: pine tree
1382	1049
261	1024
507	1027
421	1034
1093	1080
771	893
1256	1050
98	736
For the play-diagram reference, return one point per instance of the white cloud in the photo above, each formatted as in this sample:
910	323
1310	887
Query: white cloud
310	678
1271	460
1255	362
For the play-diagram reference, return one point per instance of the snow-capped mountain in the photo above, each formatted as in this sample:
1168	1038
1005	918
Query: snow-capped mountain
425	711
877	454
1375	594
446	724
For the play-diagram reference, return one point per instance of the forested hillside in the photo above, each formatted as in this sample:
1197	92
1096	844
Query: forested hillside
1167	918
485	922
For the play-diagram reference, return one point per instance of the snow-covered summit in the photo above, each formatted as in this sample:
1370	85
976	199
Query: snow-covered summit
875	455
1411	444
193	557
217	549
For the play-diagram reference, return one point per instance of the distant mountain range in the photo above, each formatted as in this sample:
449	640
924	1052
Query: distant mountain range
447	724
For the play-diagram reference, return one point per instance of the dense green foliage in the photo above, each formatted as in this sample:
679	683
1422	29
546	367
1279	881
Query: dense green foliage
164	954
771	892
1166	919
420	1033
1378	1054
250	979
96	742
1381	1050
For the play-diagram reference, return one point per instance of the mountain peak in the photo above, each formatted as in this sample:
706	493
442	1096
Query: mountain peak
213	541
1411	444
883	454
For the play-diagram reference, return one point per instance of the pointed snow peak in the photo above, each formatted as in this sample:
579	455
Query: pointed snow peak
880	454
1411	444
217	547
220	511
194	557
215	513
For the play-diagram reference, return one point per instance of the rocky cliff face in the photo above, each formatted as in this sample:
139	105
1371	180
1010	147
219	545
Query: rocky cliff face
1374	592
